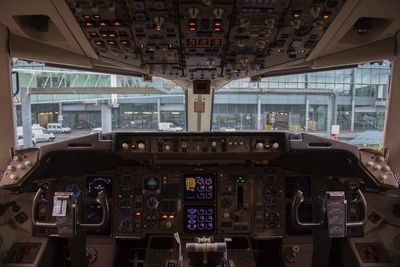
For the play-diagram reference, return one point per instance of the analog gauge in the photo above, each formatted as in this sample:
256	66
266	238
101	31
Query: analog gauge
96	184
125	225
150	220
272	220
125	207
74	188
152	203
151	183
272	193
126	190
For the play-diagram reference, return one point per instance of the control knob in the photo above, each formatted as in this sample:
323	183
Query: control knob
275	146
125	146
259	146
167	148
141	146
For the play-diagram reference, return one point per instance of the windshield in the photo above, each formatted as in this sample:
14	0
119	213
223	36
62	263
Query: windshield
345	104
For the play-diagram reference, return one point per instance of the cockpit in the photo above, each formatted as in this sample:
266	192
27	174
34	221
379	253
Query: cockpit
163	135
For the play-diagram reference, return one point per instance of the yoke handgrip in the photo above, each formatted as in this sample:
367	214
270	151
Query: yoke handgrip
38	197
298	199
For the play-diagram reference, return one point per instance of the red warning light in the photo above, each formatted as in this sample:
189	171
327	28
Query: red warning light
103	24
192	25
191	42
97	17
117	23
217	26
86	17
99	42
124	42
112	42
88	23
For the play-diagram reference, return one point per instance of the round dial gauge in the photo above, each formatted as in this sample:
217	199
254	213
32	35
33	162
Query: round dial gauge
150	220
74	188
272	193
125	207
125	225
271	220
152	203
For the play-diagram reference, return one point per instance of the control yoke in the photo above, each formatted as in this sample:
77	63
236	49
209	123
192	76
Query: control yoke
335	212
64	209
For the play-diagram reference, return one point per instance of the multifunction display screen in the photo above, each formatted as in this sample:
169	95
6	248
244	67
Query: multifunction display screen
199	187
199	218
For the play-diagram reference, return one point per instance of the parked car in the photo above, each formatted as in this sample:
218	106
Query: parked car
58	128
96	130
42	134
168	126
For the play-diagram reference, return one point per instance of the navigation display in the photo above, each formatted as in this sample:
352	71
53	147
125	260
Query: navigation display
199	218
199	187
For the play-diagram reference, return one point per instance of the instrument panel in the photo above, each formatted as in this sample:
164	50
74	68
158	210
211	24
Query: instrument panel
214	200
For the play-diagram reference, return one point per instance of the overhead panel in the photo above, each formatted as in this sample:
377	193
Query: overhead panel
204	39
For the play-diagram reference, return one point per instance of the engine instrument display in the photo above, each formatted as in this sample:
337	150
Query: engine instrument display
199	187
96	184
199	218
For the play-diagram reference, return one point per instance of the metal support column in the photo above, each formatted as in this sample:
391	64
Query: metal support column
106	119
353	100
60	113
158	111
307	113
26	117
258	111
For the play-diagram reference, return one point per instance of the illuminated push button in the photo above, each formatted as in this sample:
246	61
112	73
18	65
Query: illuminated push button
259	146
17	158
13	177
275	146
167	148
28	163
383	177
125	146
213	144
370	164
378	167
386	168
226	215
381	159
20	166
141	146
10	168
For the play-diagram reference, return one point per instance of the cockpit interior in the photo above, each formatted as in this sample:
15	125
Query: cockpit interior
200	197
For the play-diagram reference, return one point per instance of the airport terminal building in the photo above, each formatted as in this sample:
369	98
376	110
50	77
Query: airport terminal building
353	98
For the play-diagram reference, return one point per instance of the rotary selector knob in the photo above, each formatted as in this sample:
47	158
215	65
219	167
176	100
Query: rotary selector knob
386	168
125	146
370	164
141	146
226	215
168	224
13	177
17	158
383	177
167	148
184	145
275	146
213	144
259	146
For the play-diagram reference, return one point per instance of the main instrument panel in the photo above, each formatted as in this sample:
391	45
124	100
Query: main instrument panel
194	200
